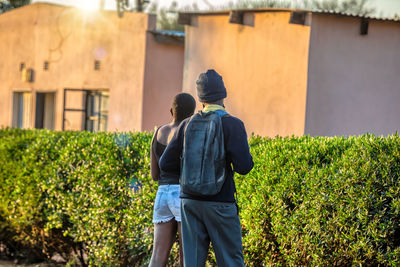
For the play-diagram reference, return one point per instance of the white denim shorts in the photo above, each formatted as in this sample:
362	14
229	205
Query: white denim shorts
167	205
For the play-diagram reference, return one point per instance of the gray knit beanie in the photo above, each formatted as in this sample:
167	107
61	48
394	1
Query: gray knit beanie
210	87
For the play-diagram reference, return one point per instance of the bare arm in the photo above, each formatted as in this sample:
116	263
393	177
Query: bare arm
154	168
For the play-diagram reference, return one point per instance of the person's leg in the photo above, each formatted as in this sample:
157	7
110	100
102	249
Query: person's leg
164	237
174	204
180	245
165	228
223	225
194	234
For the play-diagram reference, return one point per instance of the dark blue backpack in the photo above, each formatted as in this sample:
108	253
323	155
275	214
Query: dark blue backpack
203	160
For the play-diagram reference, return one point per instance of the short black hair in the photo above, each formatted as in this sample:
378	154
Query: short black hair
183	106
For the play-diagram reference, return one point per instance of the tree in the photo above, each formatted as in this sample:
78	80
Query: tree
167	18
257	4
126	5
358	7
6	5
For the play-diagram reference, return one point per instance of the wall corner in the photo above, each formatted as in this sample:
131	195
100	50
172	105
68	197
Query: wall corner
151	22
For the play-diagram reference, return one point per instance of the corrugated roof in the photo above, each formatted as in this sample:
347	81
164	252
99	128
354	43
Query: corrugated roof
322	12
345	14
170	33
226	12
169	37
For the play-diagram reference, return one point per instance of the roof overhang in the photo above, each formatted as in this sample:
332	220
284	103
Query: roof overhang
297	15
169	37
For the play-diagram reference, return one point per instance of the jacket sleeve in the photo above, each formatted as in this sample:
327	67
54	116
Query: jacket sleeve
170	160
237	147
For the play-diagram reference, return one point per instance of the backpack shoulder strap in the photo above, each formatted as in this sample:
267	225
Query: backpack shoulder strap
189	120
222	113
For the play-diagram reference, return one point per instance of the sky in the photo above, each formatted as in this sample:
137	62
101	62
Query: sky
383	7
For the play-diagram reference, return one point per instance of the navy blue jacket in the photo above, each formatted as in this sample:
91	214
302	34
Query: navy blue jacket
238	157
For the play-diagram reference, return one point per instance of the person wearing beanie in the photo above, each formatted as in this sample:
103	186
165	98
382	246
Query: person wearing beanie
212	218
210	87
167	206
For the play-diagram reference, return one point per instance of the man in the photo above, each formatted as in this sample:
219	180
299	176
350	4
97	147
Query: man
212	218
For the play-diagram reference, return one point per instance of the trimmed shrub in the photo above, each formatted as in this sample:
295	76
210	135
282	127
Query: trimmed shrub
308	201
322	201
94	189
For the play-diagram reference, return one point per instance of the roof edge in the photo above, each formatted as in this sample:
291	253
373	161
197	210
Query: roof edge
266	10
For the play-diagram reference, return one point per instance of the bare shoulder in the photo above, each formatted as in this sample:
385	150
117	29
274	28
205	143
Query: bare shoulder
163	133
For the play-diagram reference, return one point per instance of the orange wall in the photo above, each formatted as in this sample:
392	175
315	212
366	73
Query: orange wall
12	35
354	81
163	80
264	68
71	41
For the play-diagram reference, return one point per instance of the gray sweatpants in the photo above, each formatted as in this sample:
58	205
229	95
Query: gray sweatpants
218	222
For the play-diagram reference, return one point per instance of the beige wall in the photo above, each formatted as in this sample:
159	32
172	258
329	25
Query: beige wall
354	81
264	68
9	67
163	80
71	42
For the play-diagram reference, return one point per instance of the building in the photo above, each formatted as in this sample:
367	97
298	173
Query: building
297	72
64	69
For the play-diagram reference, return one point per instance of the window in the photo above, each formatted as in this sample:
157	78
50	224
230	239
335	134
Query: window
45	109
22	109
96	111
96	65
46	65
85	109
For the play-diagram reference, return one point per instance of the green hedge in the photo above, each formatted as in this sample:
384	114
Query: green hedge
308	201
74	192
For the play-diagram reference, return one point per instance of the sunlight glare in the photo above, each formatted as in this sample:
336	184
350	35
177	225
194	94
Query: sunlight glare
87	5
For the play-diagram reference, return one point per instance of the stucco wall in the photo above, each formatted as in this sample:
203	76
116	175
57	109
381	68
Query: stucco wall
71	41
163	80
264	68
354	81
12	36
